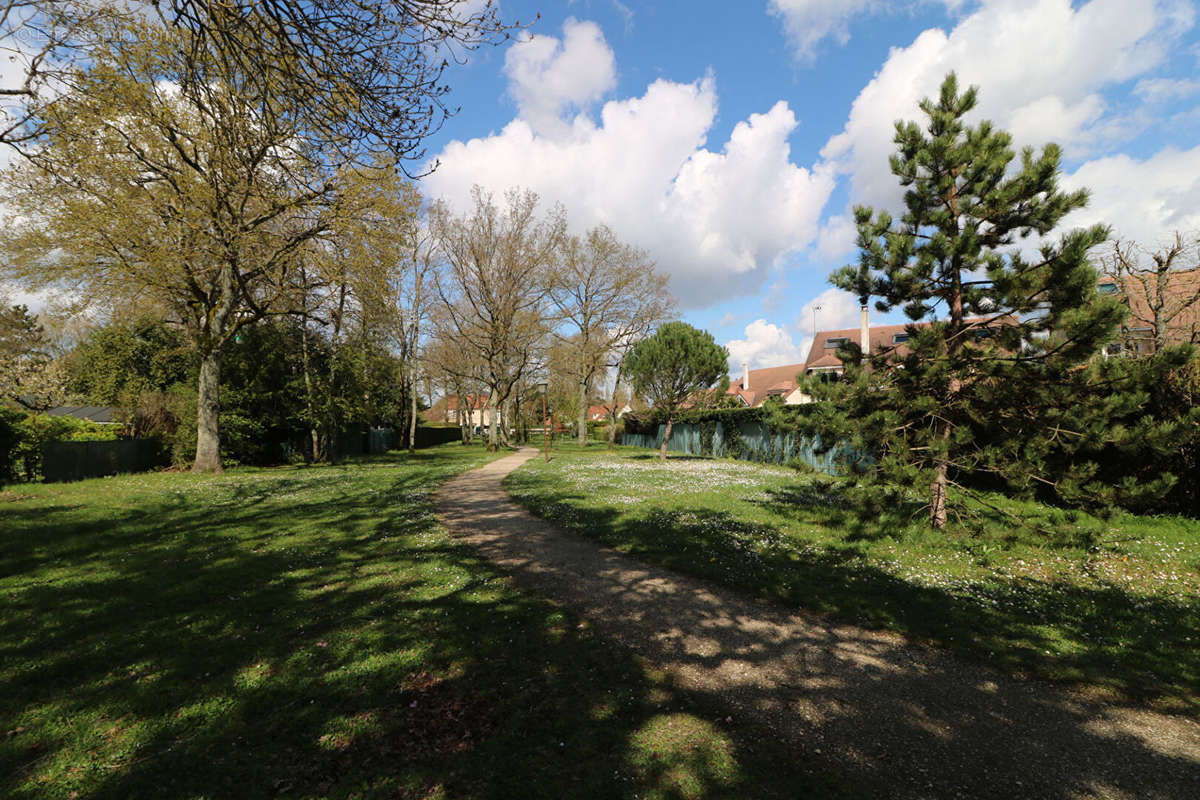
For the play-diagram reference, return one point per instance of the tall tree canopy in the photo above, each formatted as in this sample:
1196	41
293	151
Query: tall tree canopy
672	367
139	192
495	284
355	78
607	294
1007	329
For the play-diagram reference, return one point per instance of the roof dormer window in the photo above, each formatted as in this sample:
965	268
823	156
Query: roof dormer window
836	342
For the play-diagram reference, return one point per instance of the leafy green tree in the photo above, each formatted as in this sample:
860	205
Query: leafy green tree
138	193
116	364
1007	333
673	367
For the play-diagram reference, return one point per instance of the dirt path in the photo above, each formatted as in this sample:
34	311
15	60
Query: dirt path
901	719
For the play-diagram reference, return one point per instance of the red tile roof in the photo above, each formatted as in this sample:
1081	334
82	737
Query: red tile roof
880	338
474	403
764	382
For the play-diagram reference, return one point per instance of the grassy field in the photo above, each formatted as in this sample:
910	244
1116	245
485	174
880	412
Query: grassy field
1113	605
312	632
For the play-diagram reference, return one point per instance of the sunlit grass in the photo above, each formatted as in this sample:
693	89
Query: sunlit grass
313	632
1112	604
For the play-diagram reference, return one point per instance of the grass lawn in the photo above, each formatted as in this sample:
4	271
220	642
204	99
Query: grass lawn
313	632
1112	605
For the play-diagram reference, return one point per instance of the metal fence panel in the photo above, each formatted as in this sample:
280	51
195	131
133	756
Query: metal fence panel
73	461
752	442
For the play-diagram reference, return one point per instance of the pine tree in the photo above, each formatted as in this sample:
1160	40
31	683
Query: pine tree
994	376
674	367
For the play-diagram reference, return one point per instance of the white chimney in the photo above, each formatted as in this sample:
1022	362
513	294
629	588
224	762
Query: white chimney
865	341
745	376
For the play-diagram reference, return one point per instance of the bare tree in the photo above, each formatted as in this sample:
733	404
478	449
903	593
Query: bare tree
459	369
1161	288
40	41
608	295
413	279
358	78
495	284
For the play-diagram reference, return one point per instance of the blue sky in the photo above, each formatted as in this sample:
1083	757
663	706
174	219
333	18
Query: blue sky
729	139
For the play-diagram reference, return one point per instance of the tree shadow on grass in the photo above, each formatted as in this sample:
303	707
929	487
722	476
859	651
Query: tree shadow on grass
323	648
905	718
1139	647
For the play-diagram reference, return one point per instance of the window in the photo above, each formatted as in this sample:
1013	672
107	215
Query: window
1107	288
835	342
900	338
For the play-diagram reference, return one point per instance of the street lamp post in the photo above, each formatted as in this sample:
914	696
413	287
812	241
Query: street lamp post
544	388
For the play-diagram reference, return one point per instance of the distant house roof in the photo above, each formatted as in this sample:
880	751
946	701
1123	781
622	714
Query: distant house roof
764	383
823	354
101	414
597	413
473	402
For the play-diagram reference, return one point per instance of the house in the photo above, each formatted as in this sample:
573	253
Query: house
600	413
757	385
1178	317
822	356
477	413
102	415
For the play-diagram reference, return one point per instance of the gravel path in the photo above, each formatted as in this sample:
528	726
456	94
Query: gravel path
899	719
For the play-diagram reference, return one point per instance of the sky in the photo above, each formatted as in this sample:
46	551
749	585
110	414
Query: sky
731	140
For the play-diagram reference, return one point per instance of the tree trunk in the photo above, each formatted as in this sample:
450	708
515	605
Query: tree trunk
613	412
504	418
662	449
208	406
494	428
412	421
937	489
583	409
309	395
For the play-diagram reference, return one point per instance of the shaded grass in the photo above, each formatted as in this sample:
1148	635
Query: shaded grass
312	632
1113	605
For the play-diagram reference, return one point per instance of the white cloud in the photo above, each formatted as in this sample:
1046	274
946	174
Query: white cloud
548	76
1143	200
1163	90
765	345
831	310
837	238
716	221
808	22
626	14
1040	65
